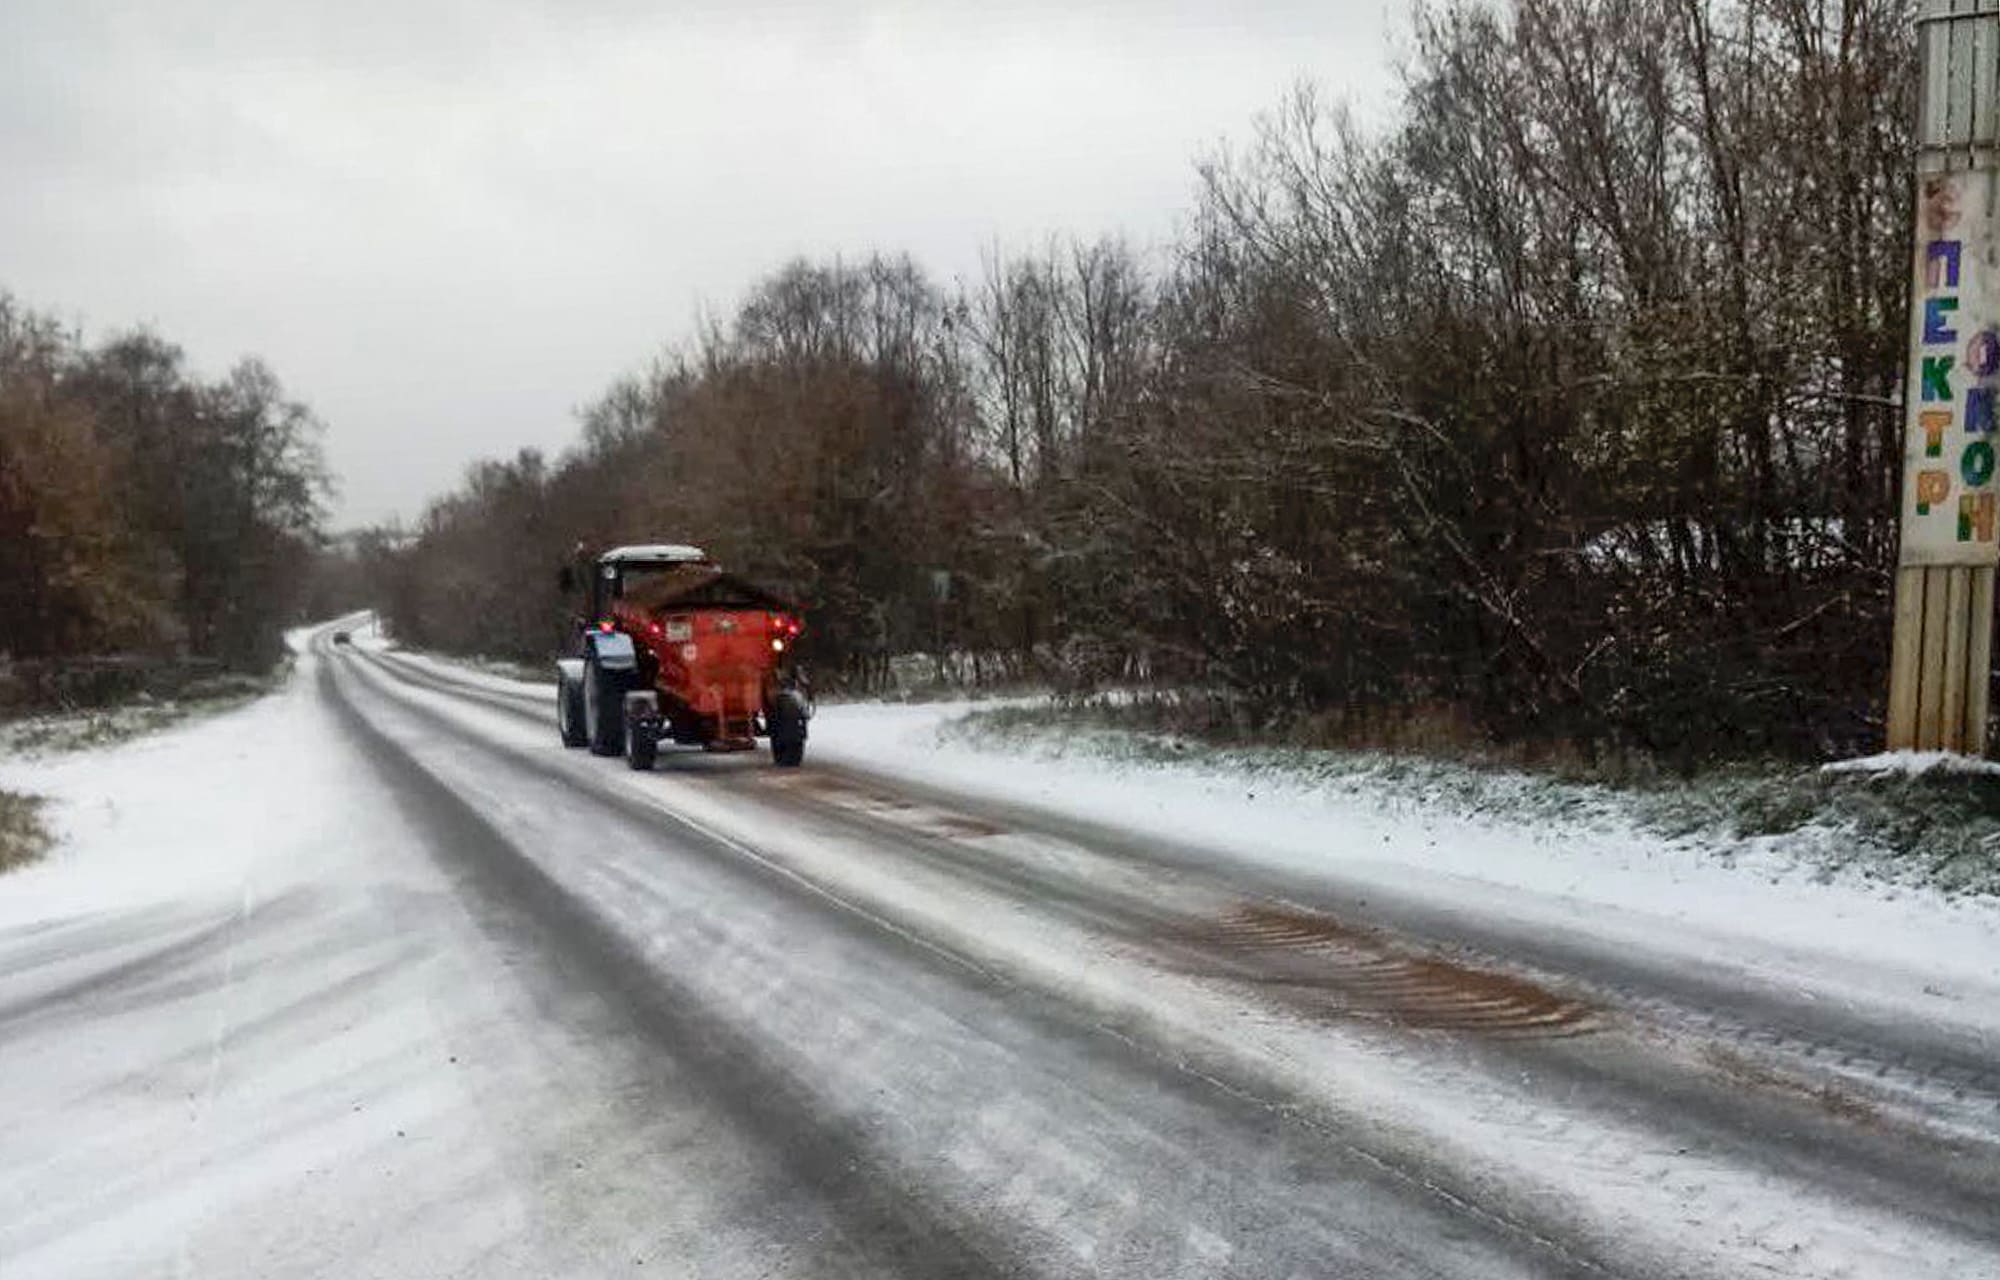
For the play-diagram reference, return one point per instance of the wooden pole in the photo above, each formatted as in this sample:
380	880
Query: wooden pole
1930	679
1904	665
1951	698
1979	661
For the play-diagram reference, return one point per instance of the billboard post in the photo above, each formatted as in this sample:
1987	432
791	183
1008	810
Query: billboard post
1941	661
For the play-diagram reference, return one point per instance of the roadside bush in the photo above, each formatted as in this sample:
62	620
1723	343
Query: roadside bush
23	837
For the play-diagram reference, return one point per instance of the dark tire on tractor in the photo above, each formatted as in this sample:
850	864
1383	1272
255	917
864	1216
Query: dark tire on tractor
569	712
786	718
606	702
642	746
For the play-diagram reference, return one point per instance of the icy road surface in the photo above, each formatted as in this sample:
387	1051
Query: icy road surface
373	978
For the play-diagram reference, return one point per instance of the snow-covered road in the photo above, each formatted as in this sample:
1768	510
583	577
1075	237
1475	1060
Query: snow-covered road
374	978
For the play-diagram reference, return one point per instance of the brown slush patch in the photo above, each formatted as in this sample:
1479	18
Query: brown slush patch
841	794
1332	969
1826	1096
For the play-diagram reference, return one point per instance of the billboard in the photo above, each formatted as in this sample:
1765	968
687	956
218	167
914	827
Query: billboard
1952	404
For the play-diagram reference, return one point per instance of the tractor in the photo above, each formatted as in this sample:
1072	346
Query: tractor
673	648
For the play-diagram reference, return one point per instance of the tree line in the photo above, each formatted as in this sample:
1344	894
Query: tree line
145	511
1564	407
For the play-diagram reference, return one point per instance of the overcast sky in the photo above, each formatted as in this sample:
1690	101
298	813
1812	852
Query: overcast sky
447	224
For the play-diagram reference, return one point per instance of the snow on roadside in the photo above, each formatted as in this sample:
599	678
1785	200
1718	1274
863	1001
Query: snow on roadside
1914	764
148	818
1749	904
213	890
180	803
253	1031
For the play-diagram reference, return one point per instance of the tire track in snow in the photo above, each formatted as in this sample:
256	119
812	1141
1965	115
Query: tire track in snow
202	1110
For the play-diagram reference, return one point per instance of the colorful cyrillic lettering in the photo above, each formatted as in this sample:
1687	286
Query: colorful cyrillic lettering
1941	264
1937	320
1975	517
1975	465
1980	407
1935	422
1937	378
1932	487
1982	354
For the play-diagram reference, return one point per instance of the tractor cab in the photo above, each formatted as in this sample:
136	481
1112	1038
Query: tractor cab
611	573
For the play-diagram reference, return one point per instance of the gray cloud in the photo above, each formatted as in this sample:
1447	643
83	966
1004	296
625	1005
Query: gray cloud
447	224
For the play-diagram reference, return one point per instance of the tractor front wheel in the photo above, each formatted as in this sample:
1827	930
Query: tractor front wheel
642	728
642	746
569	712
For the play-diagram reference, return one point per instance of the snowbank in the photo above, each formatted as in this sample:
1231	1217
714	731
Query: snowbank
1915	764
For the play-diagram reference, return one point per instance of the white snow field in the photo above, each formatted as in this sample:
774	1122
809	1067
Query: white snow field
250	1029
374	978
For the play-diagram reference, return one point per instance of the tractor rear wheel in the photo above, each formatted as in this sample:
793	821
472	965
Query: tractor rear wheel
785	719
604	701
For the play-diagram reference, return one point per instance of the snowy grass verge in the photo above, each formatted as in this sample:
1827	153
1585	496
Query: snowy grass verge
501	668
1938	829
26	831
23	835
1924	825
59	732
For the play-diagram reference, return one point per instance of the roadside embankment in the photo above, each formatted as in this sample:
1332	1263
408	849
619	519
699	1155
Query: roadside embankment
1930	823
